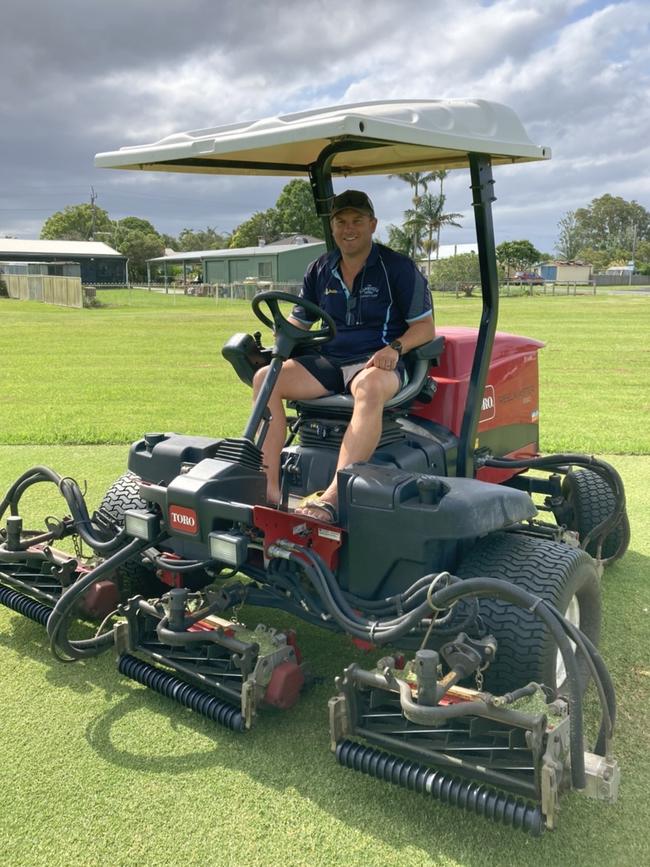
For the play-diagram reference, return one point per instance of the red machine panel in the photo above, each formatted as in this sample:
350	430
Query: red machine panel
509	421
325	539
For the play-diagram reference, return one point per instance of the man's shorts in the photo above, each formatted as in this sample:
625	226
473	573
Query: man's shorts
335	376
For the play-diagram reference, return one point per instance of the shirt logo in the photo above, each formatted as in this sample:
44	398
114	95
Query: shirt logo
331	291
369	291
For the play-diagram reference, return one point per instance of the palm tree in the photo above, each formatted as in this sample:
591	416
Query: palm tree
432	217
413	226
400	240
415	180
441	175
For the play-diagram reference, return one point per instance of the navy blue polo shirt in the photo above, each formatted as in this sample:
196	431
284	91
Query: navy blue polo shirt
388	295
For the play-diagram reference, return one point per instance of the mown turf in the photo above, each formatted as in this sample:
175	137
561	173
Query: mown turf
97	770
154	362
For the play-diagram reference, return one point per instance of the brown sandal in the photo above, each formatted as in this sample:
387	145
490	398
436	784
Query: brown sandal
323	506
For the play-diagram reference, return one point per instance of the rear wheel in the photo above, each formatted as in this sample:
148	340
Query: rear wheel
592	501
563	576
133	577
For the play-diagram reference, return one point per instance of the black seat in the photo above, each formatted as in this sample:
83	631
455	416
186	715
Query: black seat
418	363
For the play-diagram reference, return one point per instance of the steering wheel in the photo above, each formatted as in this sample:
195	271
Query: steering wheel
285	329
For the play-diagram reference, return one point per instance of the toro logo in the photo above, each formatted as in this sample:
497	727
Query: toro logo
183	519
488	404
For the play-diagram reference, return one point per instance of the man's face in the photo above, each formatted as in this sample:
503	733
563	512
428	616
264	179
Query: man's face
352	231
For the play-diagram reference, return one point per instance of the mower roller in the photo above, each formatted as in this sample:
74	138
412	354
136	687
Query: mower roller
466	558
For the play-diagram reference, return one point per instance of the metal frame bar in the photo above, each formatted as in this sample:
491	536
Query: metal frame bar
482	198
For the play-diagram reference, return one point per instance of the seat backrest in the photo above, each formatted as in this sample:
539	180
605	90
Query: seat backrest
418	363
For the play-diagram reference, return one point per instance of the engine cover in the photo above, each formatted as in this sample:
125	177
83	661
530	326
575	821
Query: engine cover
403	525
159	457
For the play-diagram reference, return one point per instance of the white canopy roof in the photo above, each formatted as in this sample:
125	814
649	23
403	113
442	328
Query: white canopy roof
395	136
11	246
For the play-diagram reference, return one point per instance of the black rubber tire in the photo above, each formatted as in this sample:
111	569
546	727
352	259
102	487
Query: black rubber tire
554	571
592	501
134	577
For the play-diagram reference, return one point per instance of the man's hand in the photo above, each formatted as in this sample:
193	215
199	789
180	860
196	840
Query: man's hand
385	358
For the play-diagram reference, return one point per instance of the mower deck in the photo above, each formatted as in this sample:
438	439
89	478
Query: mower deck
509	763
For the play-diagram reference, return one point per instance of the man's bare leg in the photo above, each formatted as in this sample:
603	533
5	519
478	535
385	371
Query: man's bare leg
294	383
371	389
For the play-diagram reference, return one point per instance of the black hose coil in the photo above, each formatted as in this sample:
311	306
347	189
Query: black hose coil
184	693
471	796
24	605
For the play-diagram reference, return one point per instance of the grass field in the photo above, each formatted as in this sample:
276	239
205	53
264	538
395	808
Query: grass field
97	770
153	361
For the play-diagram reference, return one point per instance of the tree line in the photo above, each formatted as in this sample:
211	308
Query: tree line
139	240
609	230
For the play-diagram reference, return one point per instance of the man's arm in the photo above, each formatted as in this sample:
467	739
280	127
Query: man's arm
417	334
298	316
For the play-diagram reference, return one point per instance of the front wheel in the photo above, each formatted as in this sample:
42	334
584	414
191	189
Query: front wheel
132	577
563	576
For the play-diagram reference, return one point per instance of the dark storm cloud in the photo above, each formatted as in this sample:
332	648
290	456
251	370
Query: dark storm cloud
77	38
82	77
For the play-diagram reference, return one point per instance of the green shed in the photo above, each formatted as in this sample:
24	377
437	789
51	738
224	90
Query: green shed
277	263
283	263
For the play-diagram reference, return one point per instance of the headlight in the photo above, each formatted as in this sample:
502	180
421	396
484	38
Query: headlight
142	525
230	548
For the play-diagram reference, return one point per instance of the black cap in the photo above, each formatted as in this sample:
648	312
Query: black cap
354	199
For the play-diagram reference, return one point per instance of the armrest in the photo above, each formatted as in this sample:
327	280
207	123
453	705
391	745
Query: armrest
428	351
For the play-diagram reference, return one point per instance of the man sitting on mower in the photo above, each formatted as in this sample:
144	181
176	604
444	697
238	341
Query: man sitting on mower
381	305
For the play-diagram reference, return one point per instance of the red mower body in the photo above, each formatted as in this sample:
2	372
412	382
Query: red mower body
509	421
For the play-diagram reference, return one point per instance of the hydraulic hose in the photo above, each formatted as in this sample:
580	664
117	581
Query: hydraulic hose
379	626
558	463
602	681
181	565
180	639
335	594
290	587
71	493
397	604
442	625
59	618
378	631
394	605
26	480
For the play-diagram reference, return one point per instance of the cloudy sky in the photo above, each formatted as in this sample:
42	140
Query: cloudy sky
83	76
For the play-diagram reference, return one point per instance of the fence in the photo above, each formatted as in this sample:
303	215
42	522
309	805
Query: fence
622	280
247	291
64	291
243	291
549	287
